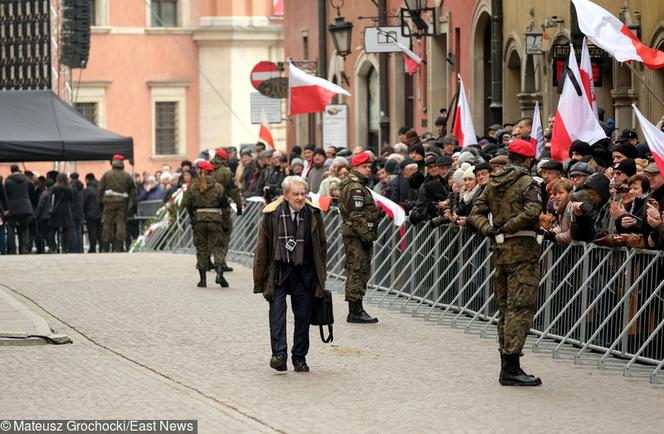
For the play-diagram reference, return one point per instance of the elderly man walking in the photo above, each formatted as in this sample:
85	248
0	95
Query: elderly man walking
290	259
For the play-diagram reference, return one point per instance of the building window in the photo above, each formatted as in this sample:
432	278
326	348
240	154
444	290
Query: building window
164	13
166	128
88	110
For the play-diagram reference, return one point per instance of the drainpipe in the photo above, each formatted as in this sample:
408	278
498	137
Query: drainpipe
383	83
496	62
322	68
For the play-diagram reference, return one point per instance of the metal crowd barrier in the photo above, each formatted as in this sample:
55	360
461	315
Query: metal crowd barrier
596	305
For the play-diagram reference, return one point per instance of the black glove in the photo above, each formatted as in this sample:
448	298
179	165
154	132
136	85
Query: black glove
239	210
550	236
493	232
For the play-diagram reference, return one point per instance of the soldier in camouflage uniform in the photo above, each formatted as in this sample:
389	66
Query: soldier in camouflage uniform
205	201
508	210
115	190
360	217
224	177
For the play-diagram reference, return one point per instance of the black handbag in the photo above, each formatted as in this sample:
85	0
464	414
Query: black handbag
323	315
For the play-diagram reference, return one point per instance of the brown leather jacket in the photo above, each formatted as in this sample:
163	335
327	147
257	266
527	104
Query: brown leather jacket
264	264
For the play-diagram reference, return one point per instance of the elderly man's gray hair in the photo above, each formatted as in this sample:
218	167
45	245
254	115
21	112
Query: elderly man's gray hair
289	181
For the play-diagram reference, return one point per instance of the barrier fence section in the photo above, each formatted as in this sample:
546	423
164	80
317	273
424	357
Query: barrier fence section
597	305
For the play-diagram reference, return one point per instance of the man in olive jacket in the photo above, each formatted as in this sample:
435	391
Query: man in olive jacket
508	211
290	258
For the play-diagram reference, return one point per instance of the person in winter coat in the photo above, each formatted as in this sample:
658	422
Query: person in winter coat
77	213
19	190
152	190
61	221
561	191
43	215
591	209
4	211
92	213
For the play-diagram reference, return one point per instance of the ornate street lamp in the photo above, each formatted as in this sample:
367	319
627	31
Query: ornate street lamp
534	42
341	32
414	10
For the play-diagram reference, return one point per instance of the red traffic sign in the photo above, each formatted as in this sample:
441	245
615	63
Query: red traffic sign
263	71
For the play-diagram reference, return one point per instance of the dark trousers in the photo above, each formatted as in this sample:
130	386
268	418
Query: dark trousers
302	302
20	225
76	237
47	236
94	234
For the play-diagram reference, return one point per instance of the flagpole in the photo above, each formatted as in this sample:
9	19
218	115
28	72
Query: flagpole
646	85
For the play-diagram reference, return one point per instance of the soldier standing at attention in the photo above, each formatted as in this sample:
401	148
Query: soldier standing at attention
224	177
508	210
115	190
360	217
206	201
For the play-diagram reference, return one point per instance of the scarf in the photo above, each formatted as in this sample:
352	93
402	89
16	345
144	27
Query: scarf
285	233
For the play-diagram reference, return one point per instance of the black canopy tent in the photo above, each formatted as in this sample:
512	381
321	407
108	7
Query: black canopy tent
39	126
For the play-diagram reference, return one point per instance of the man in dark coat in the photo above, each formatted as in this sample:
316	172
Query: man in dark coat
433	191
77	213
92	213
19	192
290	258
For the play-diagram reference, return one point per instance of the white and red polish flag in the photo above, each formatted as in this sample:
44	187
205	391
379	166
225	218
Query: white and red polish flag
412	60
395	212
574	118
587	78
613	36
309	94
654	138
265	136
463	122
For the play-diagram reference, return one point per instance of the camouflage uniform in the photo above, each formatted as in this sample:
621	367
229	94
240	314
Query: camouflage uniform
224	177
360	216
205	210
513	199
116	190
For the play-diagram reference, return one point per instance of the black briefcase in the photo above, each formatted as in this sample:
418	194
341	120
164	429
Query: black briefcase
323	315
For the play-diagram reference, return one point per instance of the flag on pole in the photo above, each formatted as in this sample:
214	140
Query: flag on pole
574	117
412	60
654	138
586	70
538	132
613	36
265	136
309	94
395	212
463	122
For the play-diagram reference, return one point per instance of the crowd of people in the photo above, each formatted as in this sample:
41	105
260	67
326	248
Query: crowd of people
610	192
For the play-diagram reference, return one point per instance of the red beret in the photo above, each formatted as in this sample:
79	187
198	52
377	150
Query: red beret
118	157
204	165
360	158
522	147
221	154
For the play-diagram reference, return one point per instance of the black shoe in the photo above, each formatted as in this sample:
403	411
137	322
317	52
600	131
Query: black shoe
225	267
502	365
278	363
220	278
357	314
300	366
511	373
203	282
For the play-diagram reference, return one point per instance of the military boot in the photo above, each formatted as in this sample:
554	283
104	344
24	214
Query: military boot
511	373
502	365
357	314
220	278
203	282
226	268
117	246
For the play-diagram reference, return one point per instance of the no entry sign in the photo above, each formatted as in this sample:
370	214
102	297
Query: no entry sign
263	71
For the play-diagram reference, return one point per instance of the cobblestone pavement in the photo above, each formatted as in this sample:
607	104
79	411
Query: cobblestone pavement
149	344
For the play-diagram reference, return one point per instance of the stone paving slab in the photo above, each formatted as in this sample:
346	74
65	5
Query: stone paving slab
148	343
16	320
